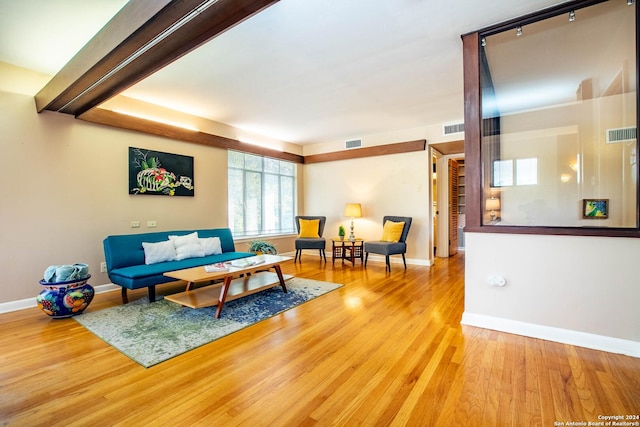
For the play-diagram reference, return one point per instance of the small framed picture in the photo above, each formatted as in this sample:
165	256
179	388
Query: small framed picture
595	208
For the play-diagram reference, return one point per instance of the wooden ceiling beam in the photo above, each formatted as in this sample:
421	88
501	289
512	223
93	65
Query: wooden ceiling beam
145	36
376	150
123	121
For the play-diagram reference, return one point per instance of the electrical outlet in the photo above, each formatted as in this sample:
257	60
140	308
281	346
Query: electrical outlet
151	224
135	224
103	267
496	281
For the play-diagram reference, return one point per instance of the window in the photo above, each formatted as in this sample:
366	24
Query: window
558	119
502	173
262	194
526	172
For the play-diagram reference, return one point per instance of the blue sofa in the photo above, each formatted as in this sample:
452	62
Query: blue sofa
126	266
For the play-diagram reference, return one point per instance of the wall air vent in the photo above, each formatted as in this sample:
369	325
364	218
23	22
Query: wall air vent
621	135
452	128
353	143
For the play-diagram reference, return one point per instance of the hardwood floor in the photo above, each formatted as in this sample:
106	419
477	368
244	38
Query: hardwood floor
386	349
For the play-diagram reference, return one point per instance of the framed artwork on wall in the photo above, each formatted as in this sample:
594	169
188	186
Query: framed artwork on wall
595	208
157	173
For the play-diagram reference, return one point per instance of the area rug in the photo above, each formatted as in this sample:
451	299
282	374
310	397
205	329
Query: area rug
152	333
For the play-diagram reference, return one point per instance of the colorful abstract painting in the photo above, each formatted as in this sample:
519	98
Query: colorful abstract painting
595	208
158	173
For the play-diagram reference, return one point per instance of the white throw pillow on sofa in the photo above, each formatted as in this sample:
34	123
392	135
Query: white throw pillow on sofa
158	252
211	245
187	246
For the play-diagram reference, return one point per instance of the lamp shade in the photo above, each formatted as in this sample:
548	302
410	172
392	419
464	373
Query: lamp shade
492	204
353	210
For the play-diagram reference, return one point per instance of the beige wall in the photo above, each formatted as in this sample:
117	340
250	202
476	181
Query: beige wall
385	185
66	188
575	283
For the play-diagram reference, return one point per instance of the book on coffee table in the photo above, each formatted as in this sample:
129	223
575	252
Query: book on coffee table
244	263
219	266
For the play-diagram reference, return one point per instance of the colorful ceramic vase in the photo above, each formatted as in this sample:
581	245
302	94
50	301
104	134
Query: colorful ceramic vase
65	299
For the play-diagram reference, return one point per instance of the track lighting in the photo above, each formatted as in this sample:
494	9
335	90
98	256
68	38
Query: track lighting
519	31
483	42
629	2
572	16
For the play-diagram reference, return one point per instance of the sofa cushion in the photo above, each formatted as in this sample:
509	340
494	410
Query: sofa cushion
211	245
158	252
187	246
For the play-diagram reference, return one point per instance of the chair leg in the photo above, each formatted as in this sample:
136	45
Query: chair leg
125	298
388	264
324	255
152	293
366	257
405	262
295	259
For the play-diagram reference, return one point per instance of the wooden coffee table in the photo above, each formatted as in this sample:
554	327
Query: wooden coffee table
236	282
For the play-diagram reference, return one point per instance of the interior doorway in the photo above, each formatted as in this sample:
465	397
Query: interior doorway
434	206
452	205
447	201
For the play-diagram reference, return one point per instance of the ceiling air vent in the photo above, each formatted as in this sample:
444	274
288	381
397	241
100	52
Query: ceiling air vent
354	143
452	128
621	135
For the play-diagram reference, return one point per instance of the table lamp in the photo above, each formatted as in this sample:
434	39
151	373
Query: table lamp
353	210
493	205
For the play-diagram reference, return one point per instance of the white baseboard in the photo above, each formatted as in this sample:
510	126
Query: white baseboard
549	333
22	304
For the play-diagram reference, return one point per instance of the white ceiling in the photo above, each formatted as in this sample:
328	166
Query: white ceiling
302	71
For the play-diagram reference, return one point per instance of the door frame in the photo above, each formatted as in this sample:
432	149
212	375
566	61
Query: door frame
434	199
442	188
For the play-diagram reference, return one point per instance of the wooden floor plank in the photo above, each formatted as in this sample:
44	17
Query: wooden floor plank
385	349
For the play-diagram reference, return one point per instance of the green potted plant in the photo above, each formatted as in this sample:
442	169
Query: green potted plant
341	232
262	247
